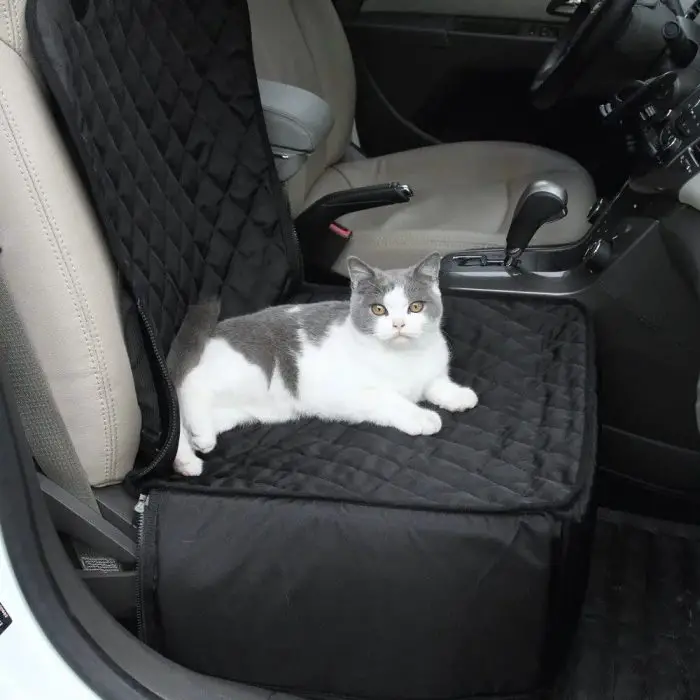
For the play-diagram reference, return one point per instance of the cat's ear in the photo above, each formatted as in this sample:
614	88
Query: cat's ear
429	267
359	271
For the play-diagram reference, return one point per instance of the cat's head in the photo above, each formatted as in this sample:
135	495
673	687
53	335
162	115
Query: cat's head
396	306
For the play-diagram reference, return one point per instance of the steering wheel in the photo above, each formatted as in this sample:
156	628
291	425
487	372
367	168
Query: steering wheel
591	26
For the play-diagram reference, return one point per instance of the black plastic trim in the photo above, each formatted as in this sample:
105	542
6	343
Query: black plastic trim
117	508
22	516
116	590
108	659
80	522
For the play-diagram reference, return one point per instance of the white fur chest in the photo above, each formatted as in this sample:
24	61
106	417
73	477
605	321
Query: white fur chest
347	361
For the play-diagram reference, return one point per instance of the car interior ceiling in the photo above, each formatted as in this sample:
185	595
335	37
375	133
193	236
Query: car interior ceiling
624	103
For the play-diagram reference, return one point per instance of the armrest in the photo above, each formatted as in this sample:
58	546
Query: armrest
297	123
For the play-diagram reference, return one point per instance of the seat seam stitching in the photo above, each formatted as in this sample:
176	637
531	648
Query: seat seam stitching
9	25
17	27
342	175
67	270
78	297
292	6
320	82
21	22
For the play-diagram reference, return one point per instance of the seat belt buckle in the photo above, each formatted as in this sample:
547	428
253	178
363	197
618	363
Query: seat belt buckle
323	246
340	231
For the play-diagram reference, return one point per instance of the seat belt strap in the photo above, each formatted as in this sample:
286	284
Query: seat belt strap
348	9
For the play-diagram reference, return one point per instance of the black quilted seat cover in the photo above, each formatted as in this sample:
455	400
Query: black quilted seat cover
321	559
522	448
161	101
355	561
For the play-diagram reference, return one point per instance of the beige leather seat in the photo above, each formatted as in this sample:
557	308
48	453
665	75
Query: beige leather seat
465	193
60	329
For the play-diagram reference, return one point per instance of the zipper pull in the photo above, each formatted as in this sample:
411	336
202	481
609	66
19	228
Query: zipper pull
141	504
139	508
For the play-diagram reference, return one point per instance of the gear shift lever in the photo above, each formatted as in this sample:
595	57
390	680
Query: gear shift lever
541	203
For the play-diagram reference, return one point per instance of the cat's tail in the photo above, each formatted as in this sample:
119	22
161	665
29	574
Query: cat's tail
197	327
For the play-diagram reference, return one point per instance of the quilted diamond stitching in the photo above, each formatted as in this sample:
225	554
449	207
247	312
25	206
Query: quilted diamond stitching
522	447
161	99
177	152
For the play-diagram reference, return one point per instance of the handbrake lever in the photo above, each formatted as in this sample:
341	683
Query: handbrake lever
337	204
321	238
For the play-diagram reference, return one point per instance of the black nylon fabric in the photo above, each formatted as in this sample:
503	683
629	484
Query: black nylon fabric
528	445
161	100
334	560
321	600
340	599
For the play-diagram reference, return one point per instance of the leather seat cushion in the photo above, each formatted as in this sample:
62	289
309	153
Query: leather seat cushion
465	195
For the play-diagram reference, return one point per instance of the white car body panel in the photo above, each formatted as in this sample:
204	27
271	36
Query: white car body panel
30	667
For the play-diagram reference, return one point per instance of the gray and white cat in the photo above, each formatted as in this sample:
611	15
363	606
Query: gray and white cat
370	359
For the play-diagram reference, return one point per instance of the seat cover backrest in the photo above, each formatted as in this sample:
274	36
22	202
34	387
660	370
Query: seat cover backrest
303	43
161	101
61	335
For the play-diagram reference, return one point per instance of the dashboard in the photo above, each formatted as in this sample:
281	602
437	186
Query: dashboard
660	118
663	133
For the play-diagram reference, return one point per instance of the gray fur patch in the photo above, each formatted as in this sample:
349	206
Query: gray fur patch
370	286
271	338
186	350
319	318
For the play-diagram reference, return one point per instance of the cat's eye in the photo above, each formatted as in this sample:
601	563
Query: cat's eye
378	310
416	307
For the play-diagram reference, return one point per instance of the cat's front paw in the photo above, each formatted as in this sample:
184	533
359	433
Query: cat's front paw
456	398
203	442
191	466
420	422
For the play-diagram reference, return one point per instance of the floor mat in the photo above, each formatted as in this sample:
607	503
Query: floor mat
639	637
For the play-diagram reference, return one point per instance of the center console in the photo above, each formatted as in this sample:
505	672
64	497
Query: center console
661	121
637	272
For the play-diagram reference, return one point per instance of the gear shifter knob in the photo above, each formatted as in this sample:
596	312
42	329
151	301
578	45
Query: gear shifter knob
541	203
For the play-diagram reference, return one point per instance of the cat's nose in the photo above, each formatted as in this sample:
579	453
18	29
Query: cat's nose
398	323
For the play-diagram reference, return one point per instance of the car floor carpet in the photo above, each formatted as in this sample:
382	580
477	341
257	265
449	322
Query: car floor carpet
639	636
